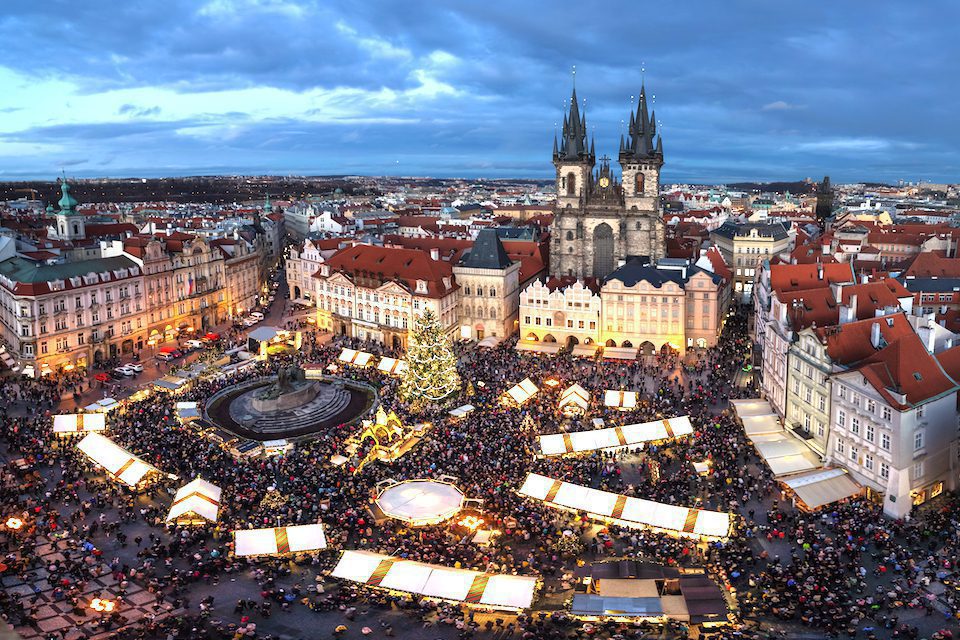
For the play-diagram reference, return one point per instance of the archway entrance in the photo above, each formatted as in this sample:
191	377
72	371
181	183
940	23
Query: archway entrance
296	292
572	341
549	338
647	349
603	258
397	343
611	343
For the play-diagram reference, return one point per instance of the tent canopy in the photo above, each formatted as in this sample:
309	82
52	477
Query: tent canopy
522	391
489	342
197	499
631	435
461	411
785	454
392	365
575	395
115	460
539	347
620	353
264	334
279	540
628	511
352	356
79	423
585	350
434	581
421	502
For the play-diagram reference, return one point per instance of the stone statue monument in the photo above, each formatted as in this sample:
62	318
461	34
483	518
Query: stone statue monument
291	388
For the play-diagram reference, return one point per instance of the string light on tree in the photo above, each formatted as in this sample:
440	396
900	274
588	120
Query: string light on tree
431	373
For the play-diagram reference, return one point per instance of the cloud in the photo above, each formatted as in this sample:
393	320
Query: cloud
845	145
140	112
778	105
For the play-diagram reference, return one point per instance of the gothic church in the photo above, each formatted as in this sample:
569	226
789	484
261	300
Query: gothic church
601	221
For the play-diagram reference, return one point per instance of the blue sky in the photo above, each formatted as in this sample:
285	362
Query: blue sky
743	90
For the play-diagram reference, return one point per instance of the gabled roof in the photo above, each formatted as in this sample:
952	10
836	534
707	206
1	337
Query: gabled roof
932	265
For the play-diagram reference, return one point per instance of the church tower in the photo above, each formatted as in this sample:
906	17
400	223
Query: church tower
599	221
573	159
70	225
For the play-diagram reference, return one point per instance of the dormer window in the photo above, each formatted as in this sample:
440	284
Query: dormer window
421	286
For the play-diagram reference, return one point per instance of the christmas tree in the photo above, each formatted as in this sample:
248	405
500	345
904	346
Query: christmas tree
431	373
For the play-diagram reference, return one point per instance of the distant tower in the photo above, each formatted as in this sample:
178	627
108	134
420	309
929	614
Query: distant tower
267	207
824	200
70	224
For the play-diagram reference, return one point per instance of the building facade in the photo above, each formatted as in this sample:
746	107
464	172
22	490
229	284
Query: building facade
560	312
599	221
375	293
489	284
745	247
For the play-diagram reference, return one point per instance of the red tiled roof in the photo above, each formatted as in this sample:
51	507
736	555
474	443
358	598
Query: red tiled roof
110	229
849	343
904	366
719	264
785	278
393	264
929	264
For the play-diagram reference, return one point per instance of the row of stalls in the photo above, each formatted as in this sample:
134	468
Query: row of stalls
580	350
573	400
794	465
614	438
390	366
627	511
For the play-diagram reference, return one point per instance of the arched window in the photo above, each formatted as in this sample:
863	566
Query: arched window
569	235
466	290
493	292
571	184
638	183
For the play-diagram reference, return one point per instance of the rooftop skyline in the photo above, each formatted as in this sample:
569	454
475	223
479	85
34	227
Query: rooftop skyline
742	91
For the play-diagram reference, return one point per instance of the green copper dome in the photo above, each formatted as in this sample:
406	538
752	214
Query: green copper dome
67	201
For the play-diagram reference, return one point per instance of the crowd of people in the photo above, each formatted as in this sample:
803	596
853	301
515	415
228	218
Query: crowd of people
842	572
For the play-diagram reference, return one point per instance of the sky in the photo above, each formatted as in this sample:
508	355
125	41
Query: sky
743	91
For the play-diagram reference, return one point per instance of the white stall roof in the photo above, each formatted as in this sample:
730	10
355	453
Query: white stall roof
634	512
421	502
460	412
199	497
392	365
79	422
523	391
575	394
760	425
279	540
187	411
631	435
347	355
822	487
752	407
585	350
103	406
620	399
434	581
114	459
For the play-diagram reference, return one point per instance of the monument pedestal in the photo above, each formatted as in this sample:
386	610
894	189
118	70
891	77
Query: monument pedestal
306	392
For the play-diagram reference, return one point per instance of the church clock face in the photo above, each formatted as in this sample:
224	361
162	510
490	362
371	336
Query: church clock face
604	182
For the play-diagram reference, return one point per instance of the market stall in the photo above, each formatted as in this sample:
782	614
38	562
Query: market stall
627	511
103	406
520	392
821	487
354	357
620	353
71	423
622	400
574	400
631	435
549	348
120	464
187	412
197	502
495	591
279	541
462	411
392	366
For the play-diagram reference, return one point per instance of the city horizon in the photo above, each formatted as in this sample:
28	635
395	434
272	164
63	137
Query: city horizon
131	91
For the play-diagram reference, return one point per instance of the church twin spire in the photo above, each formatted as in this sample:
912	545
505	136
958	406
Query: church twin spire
641	143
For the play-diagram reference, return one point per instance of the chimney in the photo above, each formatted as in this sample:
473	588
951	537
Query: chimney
819	271
875	335
850	310
434	254
864	278
931	337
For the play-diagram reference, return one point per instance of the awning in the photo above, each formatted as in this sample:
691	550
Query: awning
761	425
489	342
620	353
820	488
785	454
585	350
496	591
752	407
627	511
170	383
539	347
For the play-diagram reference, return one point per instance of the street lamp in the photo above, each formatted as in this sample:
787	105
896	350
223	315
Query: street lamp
102	606
14	523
